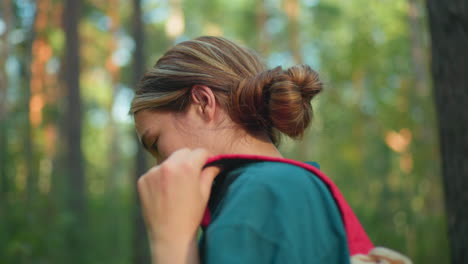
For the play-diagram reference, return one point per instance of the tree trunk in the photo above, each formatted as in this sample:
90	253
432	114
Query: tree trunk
448	21
74	159
141	253
41	53
418	52
4	51
113	69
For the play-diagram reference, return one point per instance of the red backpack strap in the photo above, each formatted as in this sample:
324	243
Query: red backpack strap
358	241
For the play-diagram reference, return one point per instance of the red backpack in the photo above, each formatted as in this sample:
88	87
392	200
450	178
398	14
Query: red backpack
360	247
358	241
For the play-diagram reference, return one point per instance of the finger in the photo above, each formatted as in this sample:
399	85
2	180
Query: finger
178	155
206	179
173	162
198	157
152	171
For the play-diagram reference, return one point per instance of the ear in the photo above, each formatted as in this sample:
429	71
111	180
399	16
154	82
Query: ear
204	100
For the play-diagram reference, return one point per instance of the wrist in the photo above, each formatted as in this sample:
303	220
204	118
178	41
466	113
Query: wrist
174	251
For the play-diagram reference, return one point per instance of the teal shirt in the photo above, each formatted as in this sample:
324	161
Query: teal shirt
274	213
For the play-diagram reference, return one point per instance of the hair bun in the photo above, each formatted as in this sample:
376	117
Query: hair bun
289	105
278	99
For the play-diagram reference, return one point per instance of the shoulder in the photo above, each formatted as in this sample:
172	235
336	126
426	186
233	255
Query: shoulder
281	207
276	177
269	189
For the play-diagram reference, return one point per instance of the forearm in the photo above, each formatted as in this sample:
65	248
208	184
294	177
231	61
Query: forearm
179	252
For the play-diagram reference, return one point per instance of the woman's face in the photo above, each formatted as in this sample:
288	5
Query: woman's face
163	132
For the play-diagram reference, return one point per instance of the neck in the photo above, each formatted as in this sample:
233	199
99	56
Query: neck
251	145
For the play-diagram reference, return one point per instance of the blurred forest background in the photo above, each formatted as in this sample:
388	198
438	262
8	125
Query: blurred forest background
69	157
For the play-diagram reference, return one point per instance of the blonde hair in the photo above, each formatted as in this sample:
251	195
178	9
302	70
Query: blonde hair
255	98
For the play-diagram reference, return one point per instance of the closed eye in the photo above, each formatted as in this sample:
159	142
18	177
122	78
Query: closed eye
154	146
150	144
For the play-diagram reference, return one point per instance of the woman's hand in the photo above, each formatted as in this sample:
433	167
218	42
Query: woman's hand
174	196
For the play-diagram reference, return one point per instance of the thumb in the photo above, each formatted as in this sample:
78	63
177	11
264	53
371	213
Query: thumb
206	179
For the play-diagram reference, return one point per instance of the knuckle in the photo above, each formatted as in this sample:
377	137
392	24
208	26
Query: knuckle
141	182
187	166
167	168
149	174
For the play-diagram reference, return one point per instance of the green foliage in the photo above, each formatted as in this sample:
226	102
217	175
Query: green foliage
363	51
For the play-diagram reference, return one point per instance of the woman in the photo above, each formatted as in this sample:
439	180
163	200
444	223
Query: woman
209	97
